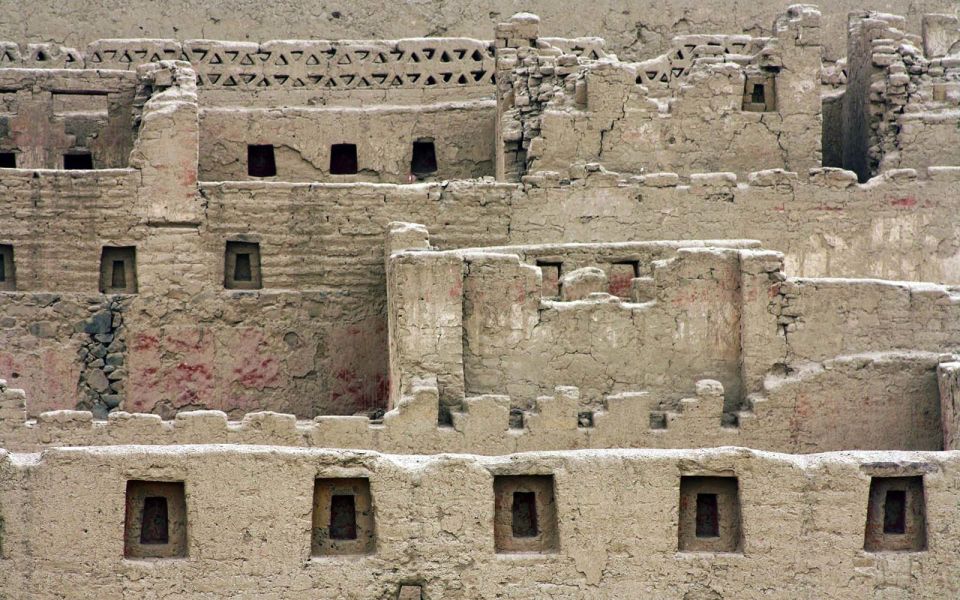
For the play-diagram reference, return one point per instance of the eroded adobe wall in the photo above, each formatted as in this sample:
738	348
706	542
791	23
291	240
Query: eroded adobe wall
634	31
462	136
248	510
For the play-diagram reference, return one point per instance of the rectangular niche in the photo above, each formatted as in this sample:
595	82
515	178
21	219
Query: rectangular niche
709	514
343	521
242	266
896	515
261	161
156	520
343	159
8	159
525	514
759	93
8	276
78	161
550	273
424	160
118	270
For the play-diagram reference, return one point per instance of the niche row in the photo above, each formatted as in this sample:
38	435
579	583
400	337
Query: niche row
262	160
74	160
118	268
525	516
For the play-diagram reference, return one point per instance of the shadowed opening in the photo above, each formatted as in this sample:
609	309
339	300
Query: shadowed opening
343	159
424	158
155	527
261	161
524	514
343	517
895	512
78	161
708	522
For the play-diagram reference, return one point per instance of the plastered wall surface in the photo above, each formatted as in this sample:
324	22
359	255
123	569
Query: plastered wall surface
249	520
633	30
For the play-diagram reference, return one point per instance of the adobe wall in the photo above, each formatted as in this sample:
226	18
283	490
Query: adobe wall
249	513
462	134
633	30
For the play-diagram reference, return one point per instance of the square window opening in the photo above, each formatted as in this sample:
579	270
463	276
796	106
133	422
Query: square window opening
242	266
8	160
343	520
525	514
118	270
261	161
343	159
424	160
155	524
896	515
78	161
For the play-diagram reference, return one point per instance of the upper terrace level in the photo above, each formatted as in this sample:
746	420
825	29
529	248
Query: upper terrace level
453	108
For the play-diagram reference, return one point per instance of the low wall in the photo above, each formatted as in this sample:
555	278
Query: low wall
248	513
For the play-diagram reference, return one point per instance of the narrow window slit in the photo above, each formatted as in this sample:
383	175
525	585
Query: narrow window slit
895	512
241	271
708	523
343	517
155	527
118	278
524	512
758	96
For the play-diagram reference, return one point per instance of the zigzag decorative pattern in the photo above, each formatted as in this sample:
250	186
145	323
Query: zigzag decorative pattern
662	71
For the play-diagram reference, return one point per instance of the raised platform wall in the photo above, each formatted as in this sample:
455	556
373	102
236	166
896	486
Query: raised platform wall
249	512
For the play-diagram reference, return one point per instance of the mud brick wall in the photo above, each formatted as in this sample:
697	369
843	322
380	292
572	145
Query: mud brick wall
462	134
250	508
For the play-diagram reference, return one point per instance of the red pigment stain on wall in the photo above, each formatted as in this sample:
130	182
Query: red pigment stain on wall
357	357
49	378
904	202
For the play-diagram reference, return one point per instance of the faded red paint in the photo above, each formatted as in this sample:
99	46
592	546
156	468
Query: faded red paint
620	285
457	290
907	202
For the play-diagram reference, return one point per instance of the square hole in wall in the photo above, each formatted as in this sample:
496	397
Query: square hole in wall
343	521
118	270
343	159
550	278
8	160
242	266
8	276
759	93
709	514
620	276
896	515
78	161
261	161
424	161
156	520
525	514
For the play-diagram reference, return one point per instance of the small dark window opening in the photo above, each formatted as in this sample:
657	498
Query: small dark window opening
708	522
155	528
118	279
118	270
343	159
424	160
7	269
3	269
242	266
261	161
241	271
79	161
343	517
757	96
8	160
525	514
585	419
895	512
